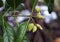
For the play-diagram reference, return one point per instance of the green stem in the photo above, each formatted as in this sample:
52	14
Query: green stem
3	22
15	15
3	17
7	11
31	14
32	10
14	9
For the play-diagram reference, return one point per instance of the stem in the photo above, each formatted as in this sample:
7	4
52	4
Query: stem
31	14
19	16
14	8
3	26
16	23
3	22
3	16
6	11
33	20
32	11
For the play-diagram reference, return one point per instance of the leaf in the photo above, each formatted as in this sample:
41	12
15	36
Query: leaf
1	40
1	3
26	39
50	4
8	35
14	3
32	2
6	6
20	7
21	31
46	1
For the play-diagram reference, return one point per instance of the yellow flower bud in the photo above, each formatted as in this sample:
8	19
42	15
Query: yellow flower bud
34	29
40	16
30	26
38	9
39	26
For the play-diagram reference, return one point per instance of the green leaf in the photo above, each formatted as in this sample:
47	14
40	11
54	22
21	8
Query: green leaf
1	3
26	39
6	6
8	33
50	4
1	40
21	31
46	1
14	3
32	2
20	7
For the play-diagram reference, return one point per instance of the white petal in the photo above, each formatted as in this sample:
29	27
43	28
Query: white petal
20	19
47	19
54	15
1	8
46	13
25	12
44	8
37	6
10	18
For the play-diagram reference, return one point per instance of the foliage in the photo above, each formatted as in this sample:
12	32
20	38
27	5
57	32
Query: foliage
1	3
14	3
32	2
9	34
1	39
8	31
21	31
50	4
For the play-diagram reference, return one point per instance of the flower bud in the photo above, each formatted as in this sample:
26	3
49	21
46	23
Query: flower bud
34	29
30	26
39	26
38	9
40	16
